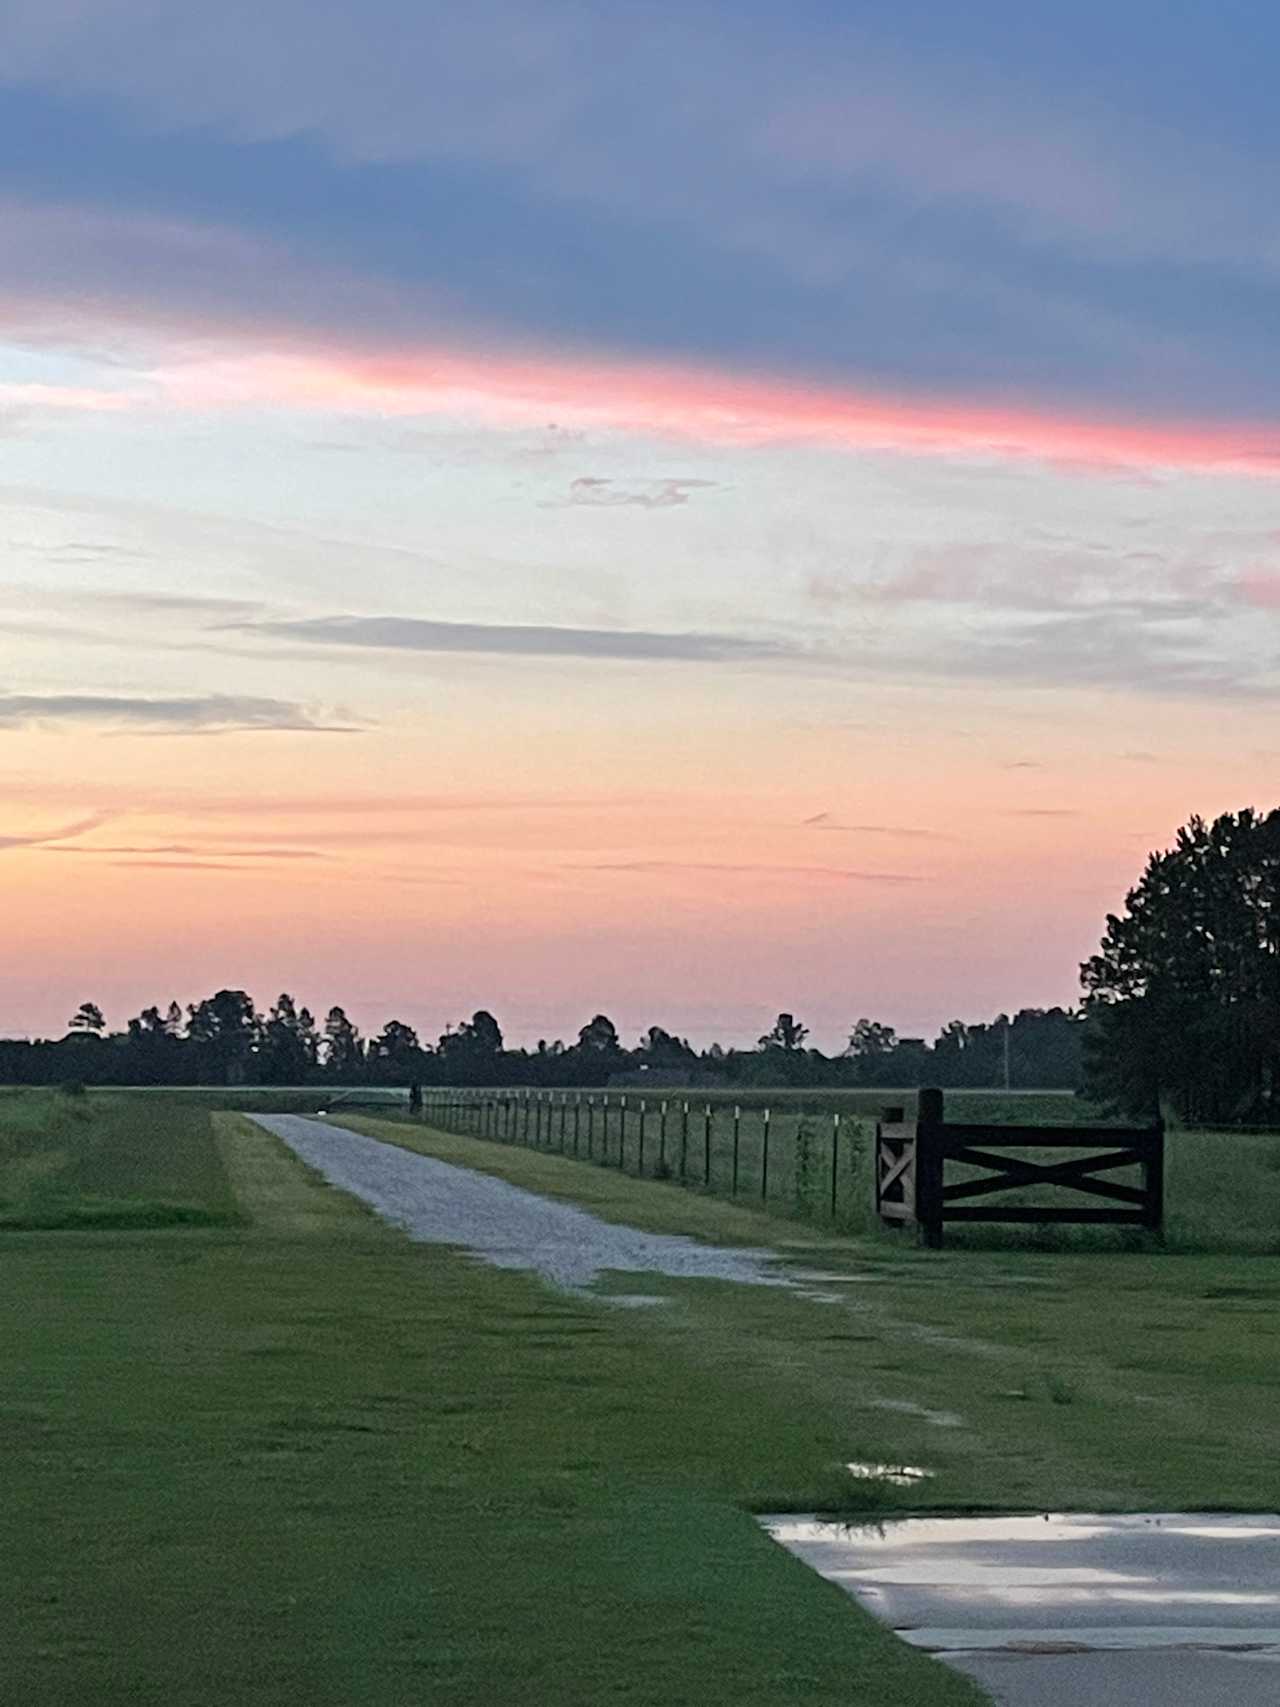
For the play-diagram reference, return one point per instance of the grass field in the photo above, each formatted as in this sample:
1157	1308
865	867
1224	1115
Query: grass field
1022	1379
271	1452
72	1161
290	1457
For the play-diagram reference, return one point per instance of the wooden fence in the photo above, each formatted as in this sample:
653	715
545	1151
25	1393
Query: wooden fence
790	1161
912	1184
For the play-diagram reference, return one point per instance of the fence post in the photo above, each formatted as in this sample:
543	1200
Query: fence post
930	1163
706	1147
737	1142
1153	1180
591	1129
764	1160
622	1135
643	1113
835	1160
684	1141
662	1138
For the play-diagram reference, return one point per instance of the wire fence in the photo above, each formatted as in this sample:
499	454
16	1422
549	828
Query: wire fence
812	1164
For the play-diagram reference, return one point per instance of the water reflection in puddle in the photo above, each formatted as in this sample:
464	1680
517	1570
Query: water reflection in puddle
897	1475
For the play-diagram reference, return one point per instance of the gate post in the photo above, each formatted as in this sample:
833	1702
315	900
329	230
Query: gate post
930	1163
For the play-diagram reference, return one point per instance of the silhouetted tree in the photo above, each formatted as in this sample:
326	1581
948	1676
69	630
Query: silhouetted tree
153	1047
1183	996
290	1043
224	1031
88	1018
659	1048
396	1055
600	1037
871	1052
472	1054
788	1035
343	1048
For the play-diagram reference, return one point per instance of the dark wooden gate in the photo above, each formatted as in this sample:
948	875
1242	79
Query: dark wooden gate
912	1183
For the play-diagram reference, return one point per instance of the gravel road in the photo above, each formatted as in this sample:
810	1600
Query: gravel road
440	1204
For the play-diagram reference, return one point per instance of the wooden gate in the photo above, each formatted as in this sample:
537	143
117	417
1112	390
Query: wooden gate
912	1183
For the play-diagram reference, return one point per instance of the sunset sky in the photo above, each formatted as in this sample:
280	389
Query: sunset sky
679	509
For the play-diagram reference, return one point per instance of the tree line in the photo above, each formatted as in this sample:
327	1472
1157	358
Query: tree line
1180	1013
226	1040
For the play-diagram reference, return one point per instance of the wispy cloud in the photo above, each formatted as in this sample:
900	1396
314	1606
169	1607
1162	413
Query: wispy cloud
180	865
183	849
45	838
1041	812
413	634
599	493
819	873
207	714
898	832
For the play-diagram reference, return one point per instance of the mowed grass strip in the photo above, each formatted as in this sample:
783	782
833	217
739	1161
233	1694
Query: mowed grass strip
107	1161
304	1460
1024	1379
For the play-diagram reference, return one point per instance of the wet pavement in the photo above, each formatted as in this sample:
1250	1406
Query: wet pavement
1073	1611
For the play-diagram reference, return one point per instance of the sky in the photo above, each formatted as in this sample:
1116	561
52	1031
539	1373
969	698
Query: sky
679	510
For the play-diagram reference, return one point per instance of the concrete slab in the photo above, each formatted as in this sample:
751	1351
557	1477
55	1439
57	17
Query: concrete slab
1072	1610
1172	1677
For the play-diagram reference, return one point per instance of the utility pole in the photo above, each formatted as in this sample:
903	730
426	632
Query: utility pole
1006	1052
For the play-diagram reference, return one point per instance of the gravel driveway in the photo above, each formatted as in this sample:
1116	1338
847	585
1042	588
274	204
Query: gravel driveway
440	1204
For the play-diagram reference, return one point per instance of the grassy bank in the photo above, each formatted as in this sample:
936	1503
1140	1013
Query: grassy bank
294	1458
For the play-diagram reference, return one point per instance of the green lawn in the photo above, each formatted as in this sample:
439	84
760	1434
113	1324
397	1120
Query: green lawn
271	1452
1023	1379
286	1456
106	1161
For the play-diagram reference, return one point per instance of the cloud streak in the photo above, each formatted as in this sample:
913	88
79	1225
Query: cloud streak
897	832
44	838
207	714
819	873
183	849
595	492
531	640
704	405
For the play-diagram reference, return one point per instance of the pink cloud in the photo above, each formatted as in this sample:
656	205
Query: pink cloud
1260	588
696	404
162	302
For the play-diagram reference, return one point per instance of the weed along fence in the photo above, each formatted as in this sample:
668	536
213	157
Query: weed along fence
792	1161
926	1172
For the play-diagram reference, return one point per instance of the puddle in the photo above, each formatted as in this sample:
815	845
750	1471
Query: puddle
909	1408
897	1475
830	1274
1056	1583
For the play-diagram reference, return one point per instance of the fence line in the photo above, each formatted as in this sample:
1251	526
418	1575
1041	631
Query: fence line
791	1162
